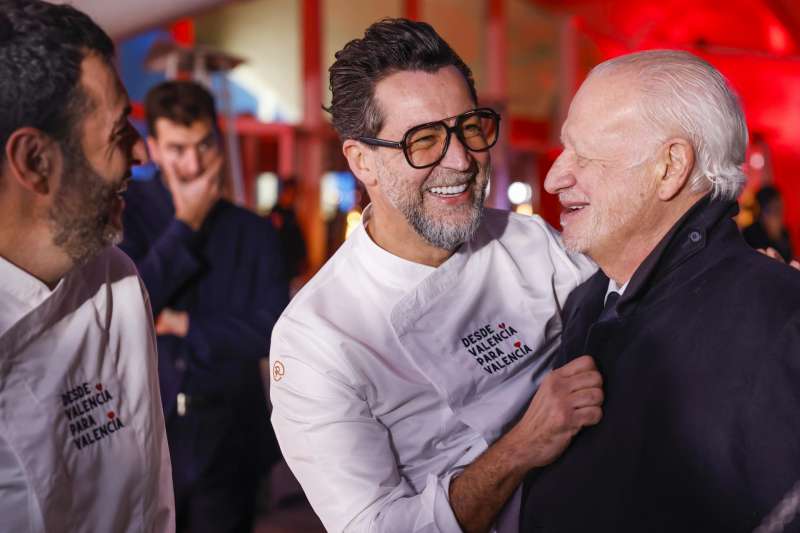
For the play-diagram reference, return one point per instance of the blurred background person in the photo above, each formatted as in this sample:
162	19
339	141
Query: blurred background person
284	219
215	273
768	231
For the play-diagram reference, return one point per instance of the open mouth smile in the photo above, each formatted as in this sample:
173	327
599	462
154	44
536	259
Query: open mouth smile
449	191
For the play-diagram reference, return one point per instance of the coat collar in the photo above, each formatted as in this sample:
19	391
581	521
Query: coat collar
686	238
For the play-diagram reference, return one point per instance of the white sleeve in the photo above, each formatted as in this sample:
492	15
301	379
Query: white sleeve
571	268
340	453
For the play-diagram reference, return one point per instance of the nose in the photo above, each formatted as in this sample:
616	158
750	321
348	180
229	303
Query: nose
457	157
192	166
560	176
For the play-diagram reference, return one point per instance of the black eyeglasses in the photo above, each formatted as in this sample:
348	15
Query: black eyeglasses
426	144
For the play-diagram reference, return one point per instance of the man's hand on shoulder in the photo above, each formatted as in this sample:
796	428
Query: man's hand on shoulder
773	254
569	398
194	198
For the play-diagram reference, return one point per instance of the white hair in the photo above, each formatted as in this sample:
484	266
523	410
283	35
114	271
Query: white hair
683	95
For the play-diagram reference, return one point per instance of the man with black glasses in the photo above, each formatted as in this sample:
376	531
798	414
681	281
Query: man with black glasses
402	373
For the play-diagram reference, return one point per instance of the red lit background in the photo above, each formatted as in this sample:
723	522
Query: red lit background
755	45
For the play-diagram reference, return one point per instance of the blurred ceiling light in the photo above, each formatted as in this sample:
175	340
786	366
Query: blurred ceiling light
757	160
519	193
266	191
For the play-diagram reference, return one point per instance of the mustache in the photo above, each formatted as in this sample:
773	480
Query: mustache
448	178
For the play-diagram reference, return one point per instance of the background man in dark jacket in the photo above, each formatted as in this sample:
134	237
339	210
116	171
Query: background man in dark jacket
216	281
700	354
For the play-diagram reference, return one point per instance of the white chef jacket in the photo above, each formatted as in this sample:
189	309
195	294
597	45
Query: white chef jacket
389	377
82	440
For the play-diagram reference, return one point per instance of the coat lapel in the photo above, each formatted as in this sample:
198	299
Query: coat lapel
588	302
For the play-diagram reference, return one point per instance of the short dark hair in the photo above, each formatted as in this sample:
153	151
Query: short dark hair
181	101
766	195
388	46
42	46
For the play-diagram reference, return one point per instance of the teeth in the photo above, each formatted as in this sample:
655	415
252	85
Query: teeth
576	208
449	191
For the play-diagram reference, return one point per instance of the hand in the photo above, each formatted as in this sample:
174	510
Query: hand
772	253
171	322
194	198
568	399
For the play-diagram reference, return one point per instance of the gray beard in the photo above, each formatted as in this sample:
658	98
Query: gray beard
79	215
435	231
443	235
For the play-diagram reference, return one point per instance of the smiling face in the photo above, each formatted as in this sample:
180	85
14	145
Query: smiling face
86	213
604	178
443	204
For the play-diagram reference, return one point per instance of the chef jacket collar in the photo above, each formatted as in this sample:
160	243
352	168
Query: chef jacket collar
386	266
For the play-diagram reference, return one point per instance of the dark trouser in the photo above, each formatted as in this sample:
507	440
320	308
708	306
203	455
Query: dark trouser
214	471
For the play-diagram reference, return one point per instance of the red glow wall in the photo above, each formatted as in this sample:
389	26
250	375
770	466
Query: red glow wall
770	93
755	43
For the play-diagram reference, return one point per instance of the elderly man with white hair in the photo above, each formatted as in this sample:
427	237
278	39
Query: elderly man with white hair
697	337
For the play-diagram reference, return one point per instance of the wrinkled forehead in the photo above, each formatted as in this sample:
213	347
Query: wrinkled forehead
607	109
409	98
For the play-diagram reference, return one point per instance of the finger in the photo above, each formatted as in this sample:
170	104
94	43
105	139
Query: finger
773	253
213	168
586	398
588	416
795	264
583	363
585	380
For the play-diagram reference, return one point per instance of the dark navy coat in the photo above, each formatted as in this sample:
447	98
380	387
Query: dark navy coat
701	369
229	277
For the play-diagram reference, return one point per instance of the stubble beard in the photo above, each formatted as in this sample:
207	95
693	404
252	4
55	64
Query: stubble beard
438	229
607	225
81	212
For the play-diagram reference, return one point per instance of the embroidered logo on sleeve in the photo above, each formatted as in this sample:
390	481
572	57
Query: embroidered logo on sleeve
278	371
495	349
90	414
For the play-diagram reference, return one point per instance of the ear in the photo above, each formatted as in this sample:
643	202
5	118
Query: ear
361	161
33	159
152	148
678	162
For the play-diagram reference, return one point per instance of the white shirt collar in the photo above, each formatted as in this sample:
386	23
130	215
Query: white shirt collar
614	287
20	293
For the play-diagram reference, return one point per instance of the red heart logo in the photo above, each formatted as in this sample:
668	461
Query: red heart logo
502	325
99	386
111	415
517	344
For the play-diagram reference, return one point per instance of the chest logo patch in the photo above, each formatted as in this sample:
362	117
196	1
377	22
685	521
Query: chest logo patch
90	416
278	371
495	348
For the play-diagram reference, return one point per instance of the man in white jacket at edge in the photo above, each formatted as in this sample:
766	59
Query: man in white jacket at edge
82	440
402	373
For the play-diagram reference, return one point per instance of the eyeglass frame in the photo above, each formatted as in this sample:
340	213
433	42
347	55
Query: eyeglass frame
454	129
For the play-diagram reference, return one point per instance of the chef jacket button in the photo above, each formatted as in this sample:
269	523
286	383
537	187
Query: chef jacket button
180	364
695	236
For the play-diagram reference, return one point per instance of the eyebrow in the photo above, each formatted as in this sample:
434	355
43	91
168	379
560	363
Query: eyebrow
122	120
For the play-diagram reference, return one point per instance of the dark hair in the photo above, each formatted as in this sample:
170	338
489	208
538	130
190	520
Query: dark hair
42	46
388	46
181	101
766	195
